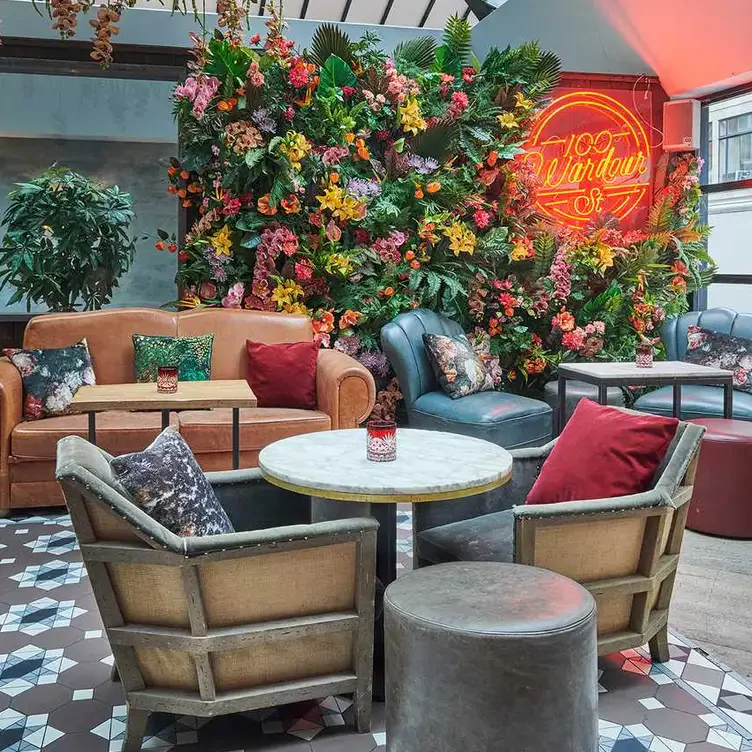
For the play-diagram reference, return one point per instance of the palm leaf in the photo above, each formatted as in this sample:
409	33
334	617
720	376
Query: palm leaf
436	141
420	52
546	73
328	40
458	37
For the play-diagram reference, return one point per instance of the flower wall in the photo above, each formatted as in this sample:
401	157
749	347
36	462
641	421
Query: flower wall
351	185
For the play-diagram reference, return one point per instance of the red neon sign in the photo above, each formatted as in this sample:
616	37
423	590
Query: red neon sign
592	157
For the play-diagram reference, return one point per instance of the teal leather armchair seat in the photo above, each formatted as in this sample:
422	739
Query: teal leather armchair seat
509	420
699	401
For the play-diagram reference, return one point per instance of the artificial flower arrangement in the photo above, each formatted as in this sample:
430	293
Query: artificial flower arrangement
351	185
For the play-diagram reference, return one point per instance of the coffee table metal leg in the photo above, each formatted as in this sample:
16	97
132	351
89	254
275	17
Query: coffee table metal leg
92	428
728	400
235	438
602	394
677	400
561	405
386	548
165	419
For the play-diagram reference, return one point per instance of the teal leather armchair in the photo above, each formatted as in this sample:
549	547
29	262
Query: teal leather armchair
509	420
699	401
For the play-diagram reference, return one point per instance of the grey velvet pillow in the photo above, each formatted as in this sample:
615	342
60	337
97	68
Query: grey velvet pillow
458	368
167	483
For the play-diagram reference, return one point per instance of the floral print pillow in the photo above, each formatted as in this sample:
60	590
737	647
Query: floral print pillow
459	369
706	348
51	378
167	483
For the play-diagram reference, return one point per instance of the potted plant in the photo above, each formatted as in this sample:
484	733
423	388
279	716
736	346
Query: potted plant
66	242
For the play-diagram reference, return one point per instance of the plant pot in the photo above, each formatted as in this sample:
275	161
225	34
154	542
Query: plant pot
644	356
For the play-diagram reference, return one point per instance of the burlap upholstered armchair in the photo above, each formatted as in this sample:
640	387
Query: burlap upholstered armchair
223	624
624	550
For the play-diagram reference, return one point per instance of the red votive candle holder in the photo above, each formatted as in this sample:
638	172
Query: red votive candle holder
167	379
381	441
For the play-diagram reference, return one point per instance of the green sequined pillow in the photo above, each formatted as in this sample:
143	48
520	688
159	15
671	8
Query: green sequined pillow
192	356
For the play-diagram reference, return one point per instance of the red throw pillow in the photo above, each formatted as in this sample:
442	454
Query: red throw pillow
283	375
603	452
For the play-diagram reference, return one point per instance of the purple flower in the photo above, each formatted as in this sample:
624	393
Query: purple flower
263	120
422	165
376	362
363	189
348	345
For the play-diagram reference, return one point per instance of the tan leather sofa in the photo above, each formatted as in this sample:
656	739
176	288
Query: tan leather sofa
345	389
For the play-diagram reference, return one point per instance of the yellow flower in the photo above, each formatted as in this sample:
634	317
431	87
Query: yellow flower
332	198
461	239
286	294
295	308
519	252
508	120
605	256
411	117
338	263
350	209
222	242
523	103
295	147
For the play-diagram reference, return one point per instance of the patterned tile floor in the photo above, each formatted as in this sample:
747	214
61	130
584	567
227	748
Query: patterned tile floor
56	694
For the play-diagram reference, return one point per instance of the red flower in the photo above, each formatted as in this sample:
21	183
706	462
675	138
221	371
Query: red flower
255	39
481	218
207	291
316	219
289	113
468	75
348	91
182	257
32	407
303	270
298	75
362	237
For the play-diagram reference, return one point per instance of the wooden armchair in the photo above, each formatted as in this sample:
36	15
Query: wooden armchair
624	550
223	624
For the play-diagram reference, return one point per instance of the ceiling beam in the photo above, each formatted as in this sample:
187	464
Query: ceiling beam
304	9
262	7
426	13
346	11
387	11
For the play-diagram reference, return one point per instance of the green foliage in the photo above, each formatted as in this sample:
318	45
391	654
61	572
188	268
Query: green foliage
66	241
420	52
545	250
328	40
335	73
455	51
436	141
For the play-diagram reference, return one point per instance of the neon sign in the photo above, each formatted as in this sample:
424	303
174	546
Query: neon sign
592	156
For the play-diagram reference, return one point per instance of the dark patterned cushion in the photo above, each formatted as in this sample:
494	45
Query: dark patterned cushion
51	378
706	348
192	356
167	483
458	368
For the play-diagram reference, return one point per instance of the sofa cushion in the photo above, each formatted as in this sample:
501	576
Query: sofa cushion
51	377
697	401
458	368
602	453
508	420
718	350
117	433
191	355
283	374
166	482
211	430
489	537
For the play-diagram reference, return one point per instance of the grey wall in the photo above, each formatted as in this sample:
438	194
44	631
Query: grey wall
138	168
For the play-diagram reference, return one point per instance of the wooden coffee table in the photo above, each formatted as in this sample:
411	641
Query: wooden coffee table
191	395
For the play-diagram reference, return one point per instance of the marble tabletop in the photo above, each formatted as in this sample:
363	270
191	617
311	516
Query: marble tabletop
662	369
430	466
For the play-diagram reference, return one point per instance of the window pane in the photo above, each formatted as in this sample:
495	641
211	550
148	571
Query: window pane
738	297
730	216
730	153
117	131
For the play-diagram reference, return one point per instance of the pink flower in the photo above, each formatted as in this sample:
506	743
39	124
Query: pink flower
387	250
334	155
468	75
255	76
234	297
207	291
304	270
348	91
298	75
232	206
573	340
200	89
398	237
740	377
333	232
289	114
481	218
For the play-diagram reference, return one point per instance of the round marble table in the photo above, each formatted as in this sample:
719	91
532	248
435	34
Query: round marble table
331	467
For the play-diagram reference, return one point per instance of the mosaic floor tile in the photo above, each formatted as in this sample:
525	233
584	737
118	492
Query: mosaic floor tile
56	694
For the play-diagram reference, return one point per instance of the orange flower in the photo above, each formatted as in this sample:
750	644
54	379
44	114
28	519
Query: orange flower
410	255
512	375
363	152
434	187
171	171
349	318
227	104
184	174
388	292
678	283
172	189
426	232
334	177
415	264
564	320
493	158
264	207
493	327
418	192
160	246
182	193
291	204
187	203
349	137
194	188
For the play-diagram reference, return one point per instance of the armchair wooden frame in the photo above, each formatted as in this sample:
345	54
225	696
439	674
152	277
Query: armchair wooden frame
225	624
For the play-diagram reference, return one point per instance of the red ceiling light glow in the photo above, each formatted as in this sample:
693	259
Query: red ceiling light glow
592	156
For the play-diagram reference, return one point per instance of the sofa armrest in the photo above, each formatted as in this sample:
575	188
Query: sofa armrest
345	389
525	468
253	503
11	409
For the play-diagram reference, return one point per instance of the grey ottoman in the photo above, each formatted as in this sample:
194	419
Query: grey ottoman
490	657
576	390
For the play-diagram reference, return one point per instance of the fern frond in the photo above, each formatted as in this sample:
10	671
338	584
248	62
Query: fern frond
660	216
458	38
420	52
329	40
545	250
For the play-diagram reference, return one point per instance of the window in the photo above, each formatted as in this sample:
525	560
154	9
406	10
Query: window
735	147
